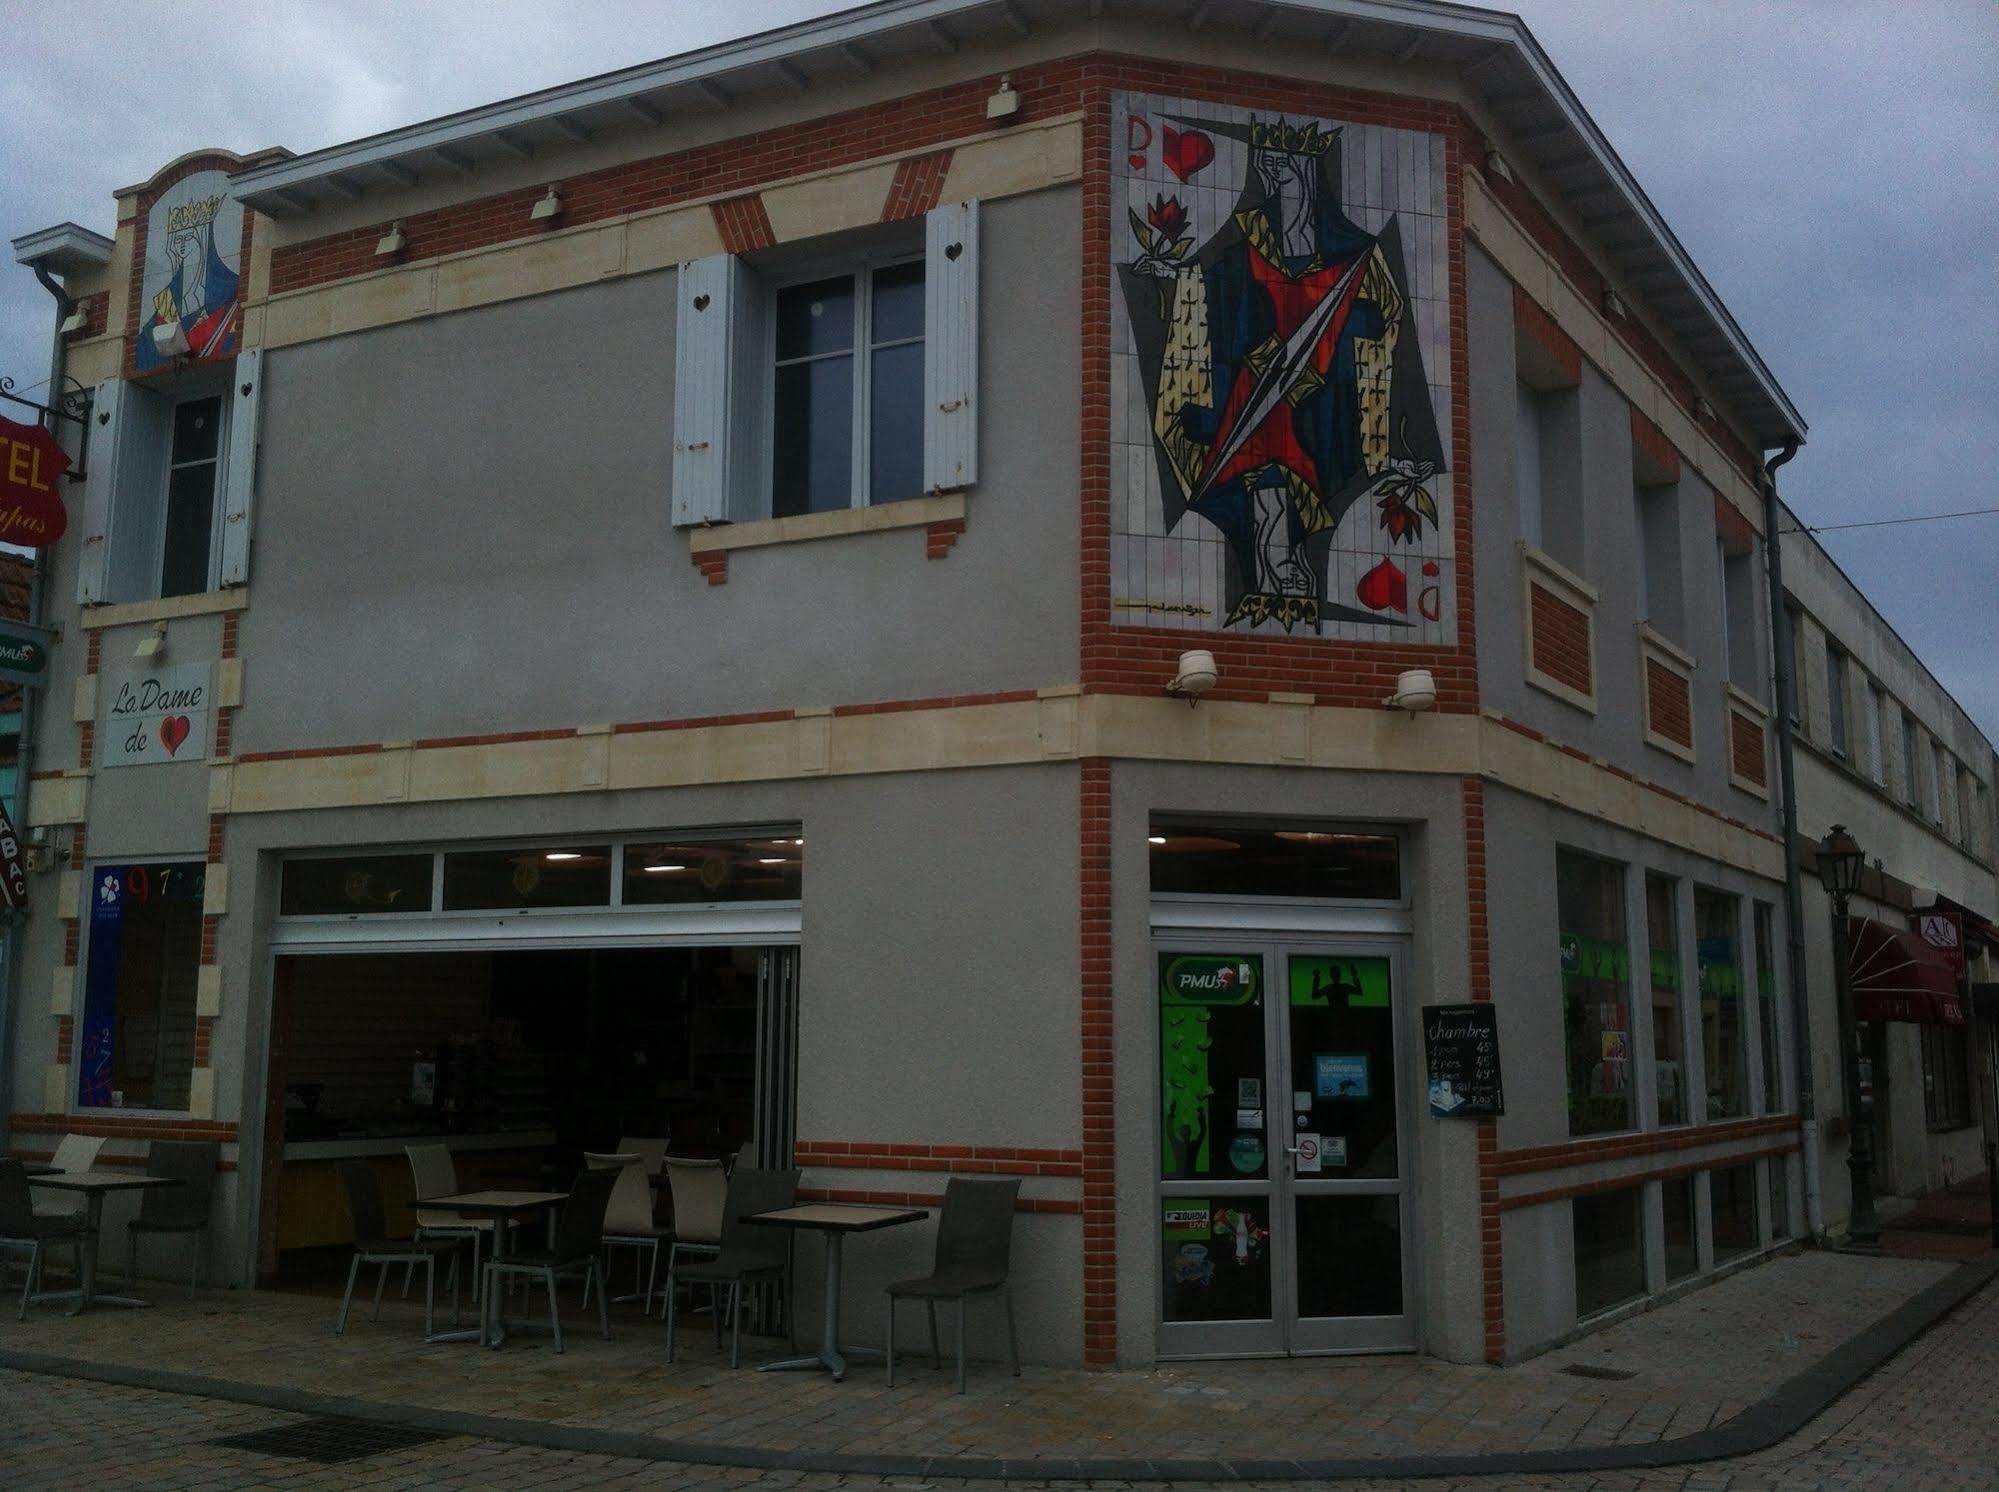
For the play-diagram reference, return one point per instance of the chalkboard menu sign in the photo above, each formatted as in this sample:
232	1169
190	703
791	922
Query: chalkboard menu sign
1461	1046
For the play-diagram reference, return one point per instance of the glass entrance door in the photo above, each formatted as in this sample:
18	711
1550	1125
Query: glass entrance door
1284	1218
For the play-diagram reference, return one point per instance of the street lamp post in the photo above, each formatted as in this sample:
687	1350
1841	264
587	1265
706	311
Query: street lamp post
1841	862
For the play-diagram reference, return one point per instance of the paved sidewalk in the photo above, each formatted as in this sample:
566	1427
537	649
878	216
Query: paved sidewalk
1929	1419
1693	1364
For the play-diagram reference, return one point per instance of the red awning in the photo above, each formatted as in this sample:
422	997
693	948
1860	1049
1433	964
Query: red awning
1899	977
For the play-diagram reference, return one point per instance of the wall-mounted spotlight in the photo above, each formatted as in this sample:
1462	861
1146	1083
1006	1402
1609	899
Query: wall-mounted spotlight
152	645
74	322
549	206
1613	304
170	340
391	243
1495	165
1415	690
1195	676
1004	105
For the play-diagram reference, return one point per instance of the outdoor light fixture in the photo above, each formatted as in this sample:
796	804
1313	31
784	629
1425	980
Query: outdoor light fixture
170	340
391	243
1415	689
1841	864
547	207
152	645
1613	304
1005	103
1495	165
1196	675
74	322
1702	409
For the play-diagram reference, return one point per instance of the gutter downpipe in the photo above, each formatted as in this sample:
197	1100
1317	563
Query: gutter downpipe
15	927
1794	906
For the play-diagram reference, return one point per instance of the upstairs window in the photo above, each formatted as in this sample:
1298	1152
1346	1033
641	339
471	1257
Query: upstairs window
1908	760
1660	587
1835	699
1877	765
166	509
1794	624
847	401
808	387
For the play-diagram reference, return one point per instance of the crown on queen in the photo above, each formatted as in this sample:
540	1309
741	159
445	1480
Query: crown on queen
1290	139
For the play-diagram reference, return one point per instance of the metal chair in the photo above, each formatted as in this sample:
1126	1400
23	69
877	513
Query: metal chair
579	1239
21	1227
974	1242
628	1222
436	1175
700	1190
372	1245
176	1209
748	1252
74	1153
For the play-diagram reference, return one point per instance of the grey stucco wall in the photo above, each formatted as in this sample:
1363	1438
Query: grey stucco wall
462	527
1440	1157
1609	559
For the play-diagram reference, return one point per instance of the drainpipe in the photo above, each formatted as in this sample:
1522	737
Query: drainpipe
1794	905
16	925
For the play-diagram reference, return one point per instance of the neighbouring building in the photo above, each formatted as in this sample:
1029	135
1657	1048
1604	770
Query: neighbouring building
1882	749
652	608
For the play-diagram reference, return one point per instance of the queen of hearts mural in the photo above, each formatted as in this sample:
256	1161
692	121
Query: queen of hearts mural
1282	374
194	235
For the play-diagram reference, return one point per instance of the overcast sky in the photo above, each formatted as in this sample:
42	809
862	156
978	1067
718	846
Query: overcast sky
1832	165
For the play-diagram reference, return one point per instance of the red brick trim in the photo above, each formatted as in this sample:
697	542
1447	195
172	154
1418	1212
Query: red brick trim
1735	530
1478	944
713	565
1669	707
963	1159
1535	324
1099	1124
1561	635
930	1199
1530	1159
940	536
204	1040
1748	748
65	1035
1639	1178
743	223
112	1125
1658	455
917	187
938	702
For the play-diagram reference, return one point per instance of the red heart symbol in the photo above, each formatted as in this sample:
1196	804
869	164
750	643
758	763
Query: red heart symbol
1186	151
173	731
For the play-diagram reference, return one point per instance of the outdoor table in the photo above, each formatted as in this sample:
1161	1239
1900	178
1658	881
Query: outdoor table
500	1206
34	1168
836	1220
94	1185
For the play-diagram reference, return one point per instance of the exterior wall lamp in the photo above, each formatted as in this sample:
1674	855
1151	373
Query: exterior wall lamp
1415	691
170	339
547	207
1195	677
391	243
1841	864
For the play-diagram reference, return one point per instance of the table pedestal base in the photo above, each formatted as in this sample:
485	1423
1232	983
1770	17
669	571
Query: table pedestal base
831	1356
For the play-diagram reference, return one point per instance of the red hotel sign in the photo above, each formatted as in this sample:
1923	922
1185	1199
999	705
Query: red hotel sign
31	463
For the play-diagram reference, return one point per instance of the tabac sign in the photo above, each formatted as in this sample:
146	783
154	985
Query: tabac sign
161	715
31	463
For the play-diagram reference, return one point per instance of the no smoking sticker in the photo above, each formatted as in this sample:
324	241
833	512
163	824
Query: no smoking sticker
1308	1153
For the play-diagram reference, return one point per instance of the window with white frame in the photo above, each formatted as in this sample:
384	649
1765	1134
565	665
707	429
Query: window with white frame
166	509
808	385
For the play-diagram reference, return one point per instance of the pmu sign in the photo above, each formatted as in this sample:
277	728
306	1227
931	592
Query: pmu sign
24	654
31	463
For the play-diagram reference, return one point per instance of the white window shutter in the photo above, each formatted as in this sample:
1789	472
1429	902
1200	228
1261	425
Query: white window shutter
951	347
706	336
246	395
107	425
138	495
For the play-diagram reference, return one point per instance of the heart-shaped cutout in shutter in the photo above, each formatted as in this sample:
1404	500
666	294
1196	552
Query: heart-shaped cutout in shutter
700	302
953	250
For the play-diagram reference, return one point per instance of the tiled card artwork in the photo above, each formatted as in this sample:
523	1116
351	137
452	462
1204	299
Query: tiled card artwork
1280	375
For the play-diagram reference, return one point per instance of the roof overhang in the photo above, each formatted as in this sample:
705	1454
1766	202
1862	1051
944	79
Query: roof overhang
1493	51
63	249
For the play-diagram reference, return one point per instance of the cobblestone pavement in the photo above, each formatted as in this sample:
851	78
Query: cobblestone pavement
1929	1419
1686	1366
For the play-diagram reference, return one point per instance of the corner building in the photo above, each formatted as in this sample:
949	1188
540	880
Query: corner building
650	608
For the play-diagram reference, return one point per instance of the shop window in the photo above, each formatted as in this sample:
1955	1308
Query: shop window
1732	1207
803	388
136	1048
1596	1009
1610	1250
1195	859
517	879
1780	1198
666	872
1662	927
1946	1077
1724	1040
167	509
1767	1009
1683	1249
361	885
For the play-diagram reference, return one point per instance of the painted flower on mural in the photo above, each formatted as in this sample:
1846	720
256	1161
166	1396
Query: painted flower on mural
1163	230
1404	500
